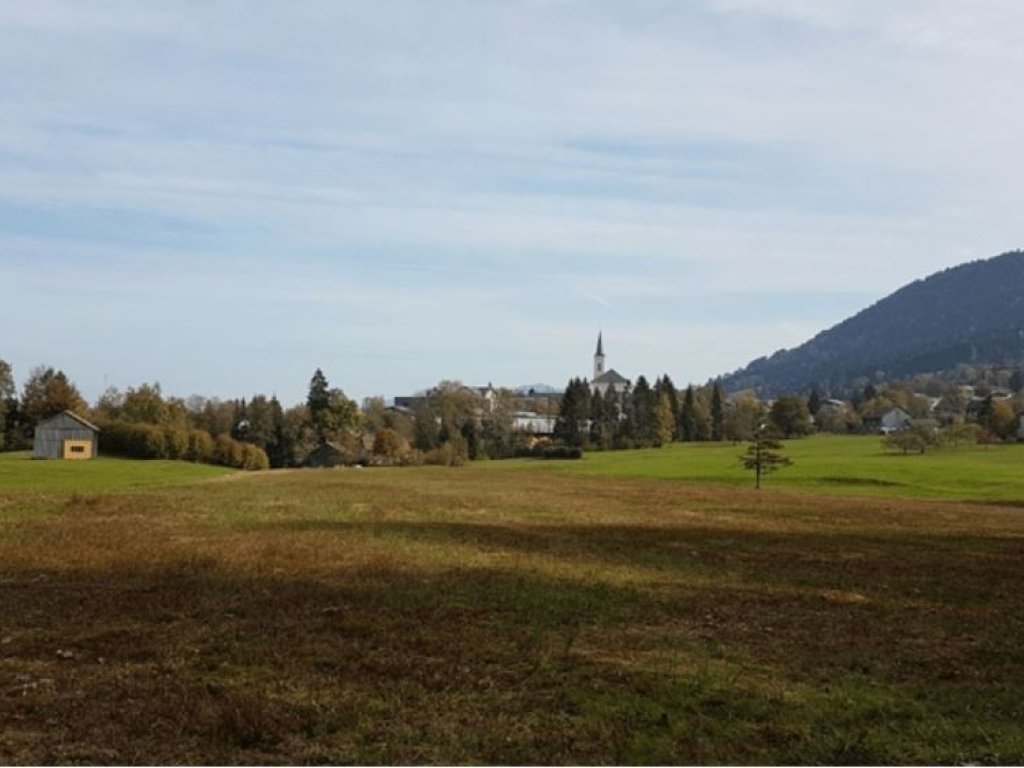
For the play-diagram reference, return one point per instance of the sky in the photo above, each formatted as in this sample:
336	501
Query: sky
223	196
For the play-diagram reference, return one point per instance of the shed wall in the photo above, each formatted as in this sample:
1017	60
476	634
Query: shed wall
51	434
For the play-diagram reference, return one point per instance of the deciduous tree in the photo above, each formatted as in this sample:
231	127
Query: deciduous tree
790	417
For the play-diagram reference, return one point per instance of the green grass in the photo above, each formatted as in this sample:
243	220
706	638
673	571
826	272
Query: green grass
510	613
19	472
846	465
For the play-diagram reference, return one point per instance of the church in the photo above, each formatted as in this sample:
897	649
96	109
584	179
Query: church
605	380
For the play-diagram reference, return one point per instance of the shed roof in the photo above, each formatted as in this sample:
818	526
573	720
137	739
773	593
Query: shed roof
72	415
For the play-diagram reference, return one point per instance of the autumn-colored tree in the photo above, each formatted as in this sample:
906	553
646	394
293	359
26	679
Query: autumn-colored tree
47	393
145	405
742	418
998	418
389	444
664	421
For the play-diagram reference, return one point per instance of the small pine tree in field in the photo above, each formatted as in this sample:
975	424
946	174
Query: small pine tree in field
763	455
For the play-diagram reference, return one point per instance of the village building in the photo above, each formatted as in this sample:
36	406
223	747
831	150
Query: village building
605	380
887	422
326	455
66	436
534	423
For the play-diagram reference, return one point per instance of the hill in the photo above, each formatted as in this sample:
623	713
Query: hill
969	314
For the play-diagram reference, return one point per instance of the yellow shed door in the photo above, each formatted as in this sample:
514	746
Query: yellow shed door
77	449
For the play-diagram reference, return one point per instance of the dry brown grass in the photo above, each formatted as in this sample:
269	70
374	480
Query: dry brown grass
450	616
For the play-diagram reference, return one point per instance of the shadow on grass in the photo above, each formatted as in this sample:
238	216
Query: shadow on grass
969	571
187	661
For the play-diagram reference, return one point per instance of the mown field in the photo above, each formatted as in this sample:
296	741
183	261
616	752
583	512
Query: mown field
507	613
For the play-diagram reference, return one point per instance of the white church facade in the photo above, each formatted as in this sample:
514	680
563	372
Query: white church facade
603	379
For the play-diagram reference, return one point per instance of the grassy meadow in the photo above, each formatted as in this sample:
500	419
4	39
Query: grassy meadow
19	472
829	464
628	608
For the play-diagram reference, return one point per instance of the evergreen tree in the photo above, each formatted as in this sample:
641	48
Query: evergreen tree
717	412
570	426
688	416
240	421
625	434
7	392
281	447
599	435
814	402
642	412
319	402
762	455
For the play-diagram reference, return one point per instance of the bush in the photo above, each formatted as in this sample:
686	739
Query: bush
137	441
561	452
389	444
200	446
227	452
148	441
445	455
254	458
175	443
548	451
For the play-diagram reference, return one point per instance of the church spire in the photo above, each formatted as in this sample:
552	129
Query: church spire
600	345
599	357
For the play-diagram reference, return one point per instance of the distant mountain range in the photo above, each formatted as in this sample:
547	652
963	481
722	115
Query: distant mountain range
972	314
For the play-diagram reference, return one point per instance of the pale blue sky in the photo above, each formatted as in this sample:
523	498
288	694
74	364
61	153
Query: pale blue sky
222	196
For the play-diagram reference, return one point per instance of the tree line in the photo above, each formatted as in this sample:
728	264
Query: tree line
448	427
453	423
645	415
141	422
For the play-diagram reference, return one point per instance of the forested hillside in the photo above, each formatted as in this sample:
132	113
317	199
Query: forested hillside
970	314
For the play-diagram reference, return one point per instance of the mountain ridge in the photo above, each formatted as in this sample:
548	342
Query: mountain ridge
970	313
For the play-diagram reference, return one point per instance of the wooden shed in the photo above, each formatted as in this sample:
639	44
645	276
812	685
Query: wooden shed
327	454
66	436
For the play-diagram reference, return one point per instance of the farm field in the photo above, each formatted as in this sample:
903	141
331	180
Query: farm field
505	613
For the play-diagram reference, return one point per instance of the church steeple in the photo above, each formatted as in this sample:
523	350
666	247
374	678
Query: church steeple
599	357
